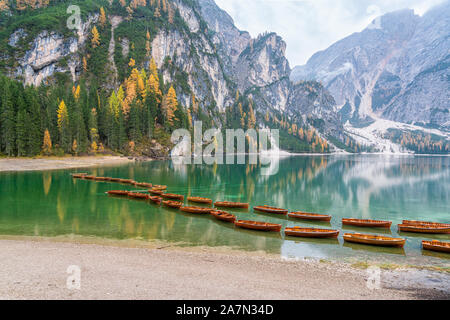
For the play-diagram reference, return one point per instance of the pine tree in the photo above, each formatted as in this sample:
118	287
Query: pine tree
8	119
34	120
21	130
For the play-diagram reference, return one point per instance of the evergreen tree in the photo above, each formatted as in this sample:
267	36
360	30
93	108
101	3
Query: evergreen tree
8	119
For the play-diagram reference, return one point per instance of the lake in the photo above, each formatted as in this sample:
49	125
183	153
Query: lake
51	203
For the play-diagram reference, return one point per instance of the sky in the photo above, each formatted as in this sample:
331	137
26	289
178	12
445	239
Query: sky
309	26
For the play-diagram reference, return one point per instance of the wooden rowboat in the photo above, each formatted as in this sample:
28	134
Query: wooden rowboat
223	216
199	200
155	199
309	216
100	179
126	181
367	223
138	195
173	196
414	222
108	179
89	177
118	193
375	240
436	245
228	204
143	184
156	192
257	225
267	209
311	232
196	210
159	187
172	204
424	228
114	179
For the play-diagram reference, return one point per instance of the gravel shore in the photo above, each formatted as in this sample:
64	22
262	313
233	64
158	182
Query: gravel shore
38	270
21	164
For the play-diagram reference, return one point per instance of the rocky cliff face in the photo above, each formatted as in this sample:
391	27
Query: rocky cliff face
395	69
48	49
208	53
260	69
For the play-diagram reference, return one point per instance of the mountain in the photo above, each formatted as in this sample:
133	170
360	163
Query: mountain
393	74
212	65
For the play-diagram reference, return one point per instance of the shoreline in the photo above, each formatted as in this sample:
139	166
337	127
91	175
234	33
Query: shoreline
61	163
35	268
56	163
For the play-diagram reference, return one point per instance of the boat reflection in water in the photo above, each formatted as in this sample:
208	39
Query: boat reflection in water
375	249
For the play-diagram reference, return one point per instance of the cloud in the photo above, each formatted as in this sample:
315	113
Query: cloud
309	26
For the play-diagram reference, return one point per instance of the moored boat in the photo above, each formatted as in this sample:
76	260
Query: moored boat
223	216
156	192
309	216
375	240
257	225
114	179
127	181
436	245
199	200
173	204
138	195
89	177
435	229
118	193
155	199
228	204
100	179
159	187
367	223
196	210
173	196
415	222
267	209
311	232
143	184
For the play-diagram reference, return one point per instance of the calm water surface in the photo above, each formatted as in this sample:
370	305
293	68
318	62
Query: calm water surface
50	203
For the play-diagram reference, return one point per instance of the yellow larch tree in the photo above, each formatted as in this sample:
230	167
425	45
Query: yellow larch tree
154	69
95	41
4	5
102	18
170	105
85	65
63	115
47	145
75	147
194	104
